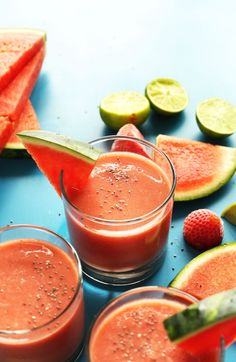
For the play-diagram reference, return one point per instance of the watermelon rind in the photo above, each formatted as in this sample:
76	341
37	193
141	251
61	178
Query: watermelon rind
60	143
24	31
14	150
201	315
225	172
181	279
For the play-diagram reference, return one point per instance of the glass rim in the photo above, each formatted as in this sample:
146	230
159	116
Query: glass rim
19	332
155	288
143	217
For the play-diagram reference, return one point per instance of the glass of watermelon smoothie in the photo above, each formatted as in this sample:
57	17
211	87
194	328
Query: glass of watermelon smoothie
41	296
130	328
119	222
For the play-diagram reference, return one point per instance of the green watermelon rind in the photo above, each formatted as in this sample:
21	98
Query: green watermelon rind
226	171
202	315
60	143
180	280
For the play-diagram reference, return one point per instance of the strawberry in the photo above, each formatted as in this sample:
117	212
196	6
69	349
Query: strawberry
203	229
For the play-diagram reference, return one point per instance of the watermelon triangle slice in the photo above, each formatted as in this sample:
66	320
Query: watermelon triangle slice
6	129
17	47
28	120
15	95
53	153
210	272
130	130
201	168
201	326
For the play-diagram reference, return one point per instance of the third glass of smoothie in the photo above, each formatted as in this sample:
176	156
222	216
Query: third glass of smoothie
119	222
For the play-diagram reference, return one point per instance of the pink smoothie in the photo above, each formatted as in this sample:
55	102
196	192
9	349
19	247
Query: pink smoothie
39	285
134	332
122	186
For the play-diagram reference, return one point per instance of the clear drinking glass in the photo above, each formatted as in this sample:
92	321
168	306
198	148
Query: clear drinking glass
123	251
130	328
39	255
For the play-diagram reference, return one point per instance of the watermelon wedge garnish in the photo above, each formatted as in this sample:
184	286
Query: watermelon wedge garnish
17	47
201	168
130	130
201	326
53	153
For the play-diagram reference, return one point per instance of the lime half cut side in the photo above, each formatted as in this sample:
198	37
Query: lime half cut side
120	108
167	96
216	117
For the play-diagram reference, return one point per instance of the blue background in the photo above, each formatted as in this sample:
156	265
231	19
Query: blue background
97	47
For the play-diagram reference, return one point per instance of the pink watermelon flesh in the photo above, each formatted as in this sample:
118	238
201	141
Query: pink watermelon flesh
130	130
210	338
27	120
201	168
51	162
16	49
213	276
15	95
6	129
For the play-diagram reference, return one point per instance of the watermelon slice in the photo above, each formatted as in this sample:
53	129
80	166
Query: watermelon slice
15	95
28	120
200	326
6	129
53	153
201	168
17	47
130	130
210	272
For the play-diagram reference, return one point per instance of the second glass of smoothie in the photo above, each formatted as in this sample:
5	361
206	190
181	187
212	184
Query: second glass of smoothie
119	222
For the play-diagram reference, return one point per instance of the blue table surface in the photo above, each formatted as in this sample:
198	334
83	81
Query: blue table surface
95	48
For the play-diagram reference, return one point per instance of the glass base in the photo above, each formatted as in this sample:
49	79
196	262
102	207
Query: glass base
125	277
77	353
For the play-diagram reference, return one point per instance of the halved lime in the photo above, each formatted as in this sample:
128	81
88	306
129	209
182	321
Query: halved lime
167	96
229	213
216	117
120	108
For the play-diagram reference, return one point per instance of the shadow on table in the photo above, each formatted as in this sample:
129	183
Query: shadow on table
11	167
39	96
182	209
155	124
